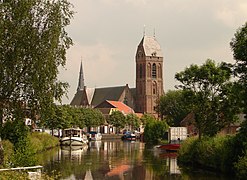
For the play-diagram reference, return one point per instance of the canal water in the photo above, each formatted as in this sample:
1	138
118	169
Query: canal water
116	160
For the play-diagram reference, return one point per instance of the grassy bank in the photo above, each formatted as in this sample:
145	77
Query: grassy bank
217	154
23	154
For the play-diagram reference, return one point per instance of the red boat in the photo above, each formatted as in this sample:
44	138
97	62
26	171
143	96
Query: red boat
170	147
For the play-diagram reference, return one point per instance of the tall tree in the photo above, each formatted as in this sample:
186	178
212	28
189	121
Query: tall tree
33	44
92	117
239	48
117	119
133	121
173	107
206	88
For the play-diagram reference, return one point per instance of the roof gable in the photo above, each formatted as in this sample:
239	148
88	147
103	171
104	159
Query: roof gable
121	107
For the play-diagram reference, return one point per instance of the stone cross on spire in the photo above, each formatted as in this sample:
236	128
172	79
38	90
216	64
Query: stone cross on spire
81	79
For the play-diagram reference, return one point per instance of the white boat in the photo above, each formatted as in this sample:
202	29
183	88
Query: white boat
95	136
73	137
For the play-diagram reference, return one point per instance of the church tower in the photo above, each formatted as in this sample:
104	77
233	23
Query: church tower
149	75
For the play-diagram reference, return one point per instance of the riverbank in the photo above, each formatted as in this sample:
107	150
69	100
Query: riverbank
111	136
222	154
23	154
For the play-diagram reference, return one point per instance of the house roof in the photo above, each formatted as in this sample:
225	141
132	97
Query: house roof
77	100
151	46
121	107
108	93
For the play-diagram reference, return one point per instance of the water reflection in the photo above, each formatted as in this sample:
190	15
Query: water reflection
113	160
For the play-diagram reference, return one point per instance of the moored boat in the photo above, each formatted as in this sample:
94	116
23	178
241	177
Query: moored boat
170	147
94	136
73	137
129	136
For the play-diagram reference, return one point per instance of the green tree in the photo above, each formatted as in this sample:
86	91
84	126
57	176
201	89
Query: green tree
173	107
154	130
133	121
33	44
146	118
205	87
238	45
117	119
92	117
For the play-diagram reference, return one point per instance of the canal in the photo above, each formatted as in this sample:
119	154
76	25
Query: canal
115	160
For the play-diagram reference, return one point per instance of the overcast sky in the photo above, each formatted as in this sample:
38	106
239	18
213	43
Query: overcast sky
106	34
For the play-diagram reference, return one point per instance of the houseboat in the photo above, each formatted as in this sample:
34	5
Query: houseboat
73	137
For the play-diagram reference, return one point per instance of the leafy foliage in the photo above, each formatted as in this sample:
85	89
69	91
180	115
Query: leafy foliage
154	130
117	119
66	116
173	107
133	121
14	130
24	153
210	96
33	44
146	118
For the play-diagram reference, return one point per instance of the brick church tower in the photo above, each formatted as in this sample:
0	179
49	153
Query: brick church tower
149	75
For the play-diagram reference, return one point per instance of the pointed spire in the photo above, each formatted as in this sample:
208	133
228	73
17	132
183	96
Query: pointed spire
144	30
81	79
154	32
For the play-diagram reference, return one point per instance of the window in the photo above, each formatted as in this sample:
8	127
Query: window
140	71
149	70
154	73
159	71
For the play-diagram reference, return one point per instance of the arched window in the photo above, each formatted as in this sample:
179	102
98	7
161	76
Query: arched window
154	71
149	70
159	71
140	70
154	88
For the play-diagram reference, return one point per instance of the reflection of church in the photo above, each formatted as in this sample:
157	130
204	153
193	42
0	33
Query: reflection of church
149	82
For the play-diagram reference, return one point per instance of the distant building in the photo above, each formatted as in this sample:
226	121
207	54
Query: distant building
149	83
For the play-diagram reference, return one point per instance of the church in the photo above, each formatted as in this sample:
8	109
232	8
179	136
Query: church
149	83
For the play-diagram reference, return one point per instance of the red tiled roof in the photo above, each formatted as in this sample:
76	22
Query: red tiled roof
121	107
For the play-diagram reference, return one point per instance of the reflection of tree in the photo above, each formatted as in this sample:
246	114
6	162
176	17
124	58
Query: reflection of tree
155	164
110	155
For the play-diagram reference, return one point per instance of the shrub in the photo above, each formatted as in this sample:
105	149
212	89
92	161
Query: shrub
13	175
14	130
214	153
154	131
24	153
241	166
43	141
8	151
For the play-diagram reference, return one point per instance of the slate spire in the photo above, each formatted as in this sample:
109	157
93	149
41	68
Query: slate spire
81	79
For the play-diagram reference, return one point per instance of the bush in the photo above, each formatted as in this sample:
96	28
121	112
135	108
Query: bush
154	131
43	141
24	153
213	153
8	151
241	166
14	130
13	175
